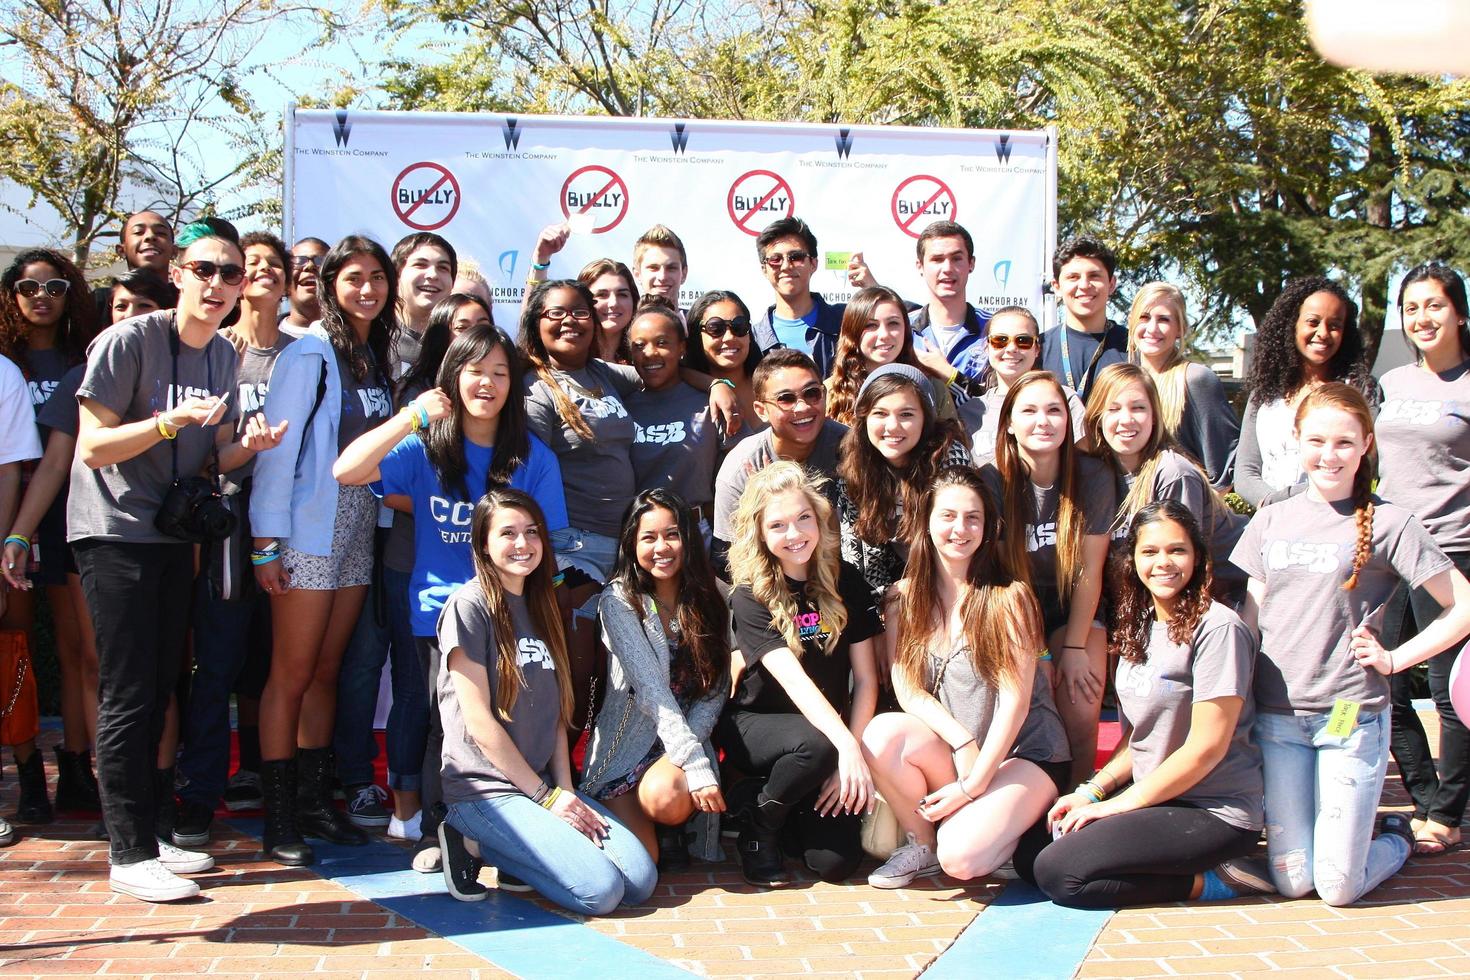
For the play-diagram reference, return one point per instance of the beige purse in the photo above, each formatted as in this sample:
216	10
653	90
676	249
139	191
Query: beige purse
881	832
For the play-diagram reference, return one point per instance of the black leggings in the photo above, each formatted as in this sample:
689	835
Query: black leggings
795	759
1143	857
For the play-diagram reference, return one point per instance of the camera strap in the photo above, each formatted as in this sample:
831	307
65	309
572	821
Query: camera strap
174	394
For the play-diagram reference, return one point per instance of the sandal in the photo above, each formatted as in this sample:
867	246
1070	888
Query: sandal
1434	838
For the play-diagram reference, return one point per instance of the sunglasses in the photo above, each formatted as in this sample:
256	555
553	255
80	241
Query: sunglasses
777	259
556	314
204	271
1023	341
812	394
302	261
737	326
31	287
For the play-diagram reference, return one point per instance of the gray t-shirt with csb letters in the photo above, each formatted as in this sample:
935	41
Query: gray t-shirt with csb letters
534	725
1423	438
597	474
1157	699
675	442
1302	549
130	372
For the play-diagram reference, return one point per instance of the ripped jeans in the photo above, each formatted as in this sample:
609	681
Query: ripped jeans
1321	803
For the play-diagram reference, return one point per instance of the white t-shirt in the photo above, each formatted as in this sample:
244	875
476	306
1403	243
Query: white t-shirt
19	439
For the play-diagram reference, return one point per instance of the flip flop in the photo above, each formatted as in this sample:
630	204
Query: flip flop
1429	843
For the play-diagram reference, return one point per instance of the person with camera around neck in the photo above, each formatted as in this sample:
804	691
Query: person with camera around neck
154	416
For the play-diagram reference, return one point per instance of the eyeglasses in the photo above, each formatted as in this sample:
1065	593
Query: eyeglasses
812	394
777	259
204	271
1023	341
302	261
53	287
556	314
737	326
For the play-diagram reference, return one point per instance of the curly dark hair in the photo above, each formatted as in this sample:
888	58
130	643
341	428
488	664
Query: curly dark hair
78	323
1133	605
1276	364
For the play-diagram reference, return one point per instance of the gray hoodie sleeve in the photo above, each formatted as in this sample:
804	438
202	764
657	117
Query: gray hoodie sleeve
647	673
1209	430
1248	482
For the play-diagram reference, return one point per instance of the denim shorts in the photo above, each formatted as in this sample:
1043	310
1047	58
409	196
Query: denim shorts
589	551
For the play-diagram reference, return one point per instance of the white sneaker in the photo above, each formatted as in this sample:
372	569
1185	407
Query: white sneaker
180	861
910	861
409	829
1247	875
150	881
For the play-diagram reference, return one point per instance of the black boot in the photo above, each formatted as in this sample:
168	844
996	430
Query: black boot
33	806
673	849
282	842
760	845
166	804
316	814
76	783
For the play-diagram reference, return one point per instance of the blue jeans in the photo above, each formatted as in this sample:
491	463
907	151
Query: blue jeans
589	551
226	634
357	695
1321	803
408	718
523	839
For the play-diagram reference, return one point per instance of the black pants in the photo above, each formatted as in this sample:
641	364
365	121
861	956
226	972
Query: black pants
795	759
1143	857
1439	796
138	596
431	786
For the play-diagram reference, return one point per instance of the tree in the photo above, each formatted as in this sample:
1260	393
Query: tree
112	95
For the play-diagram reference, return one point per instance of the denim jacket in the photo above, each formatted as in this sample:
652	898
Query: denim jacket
823	336
294	496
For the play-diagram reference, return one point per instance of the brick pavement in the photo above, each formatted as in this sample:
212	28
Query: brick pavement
256	919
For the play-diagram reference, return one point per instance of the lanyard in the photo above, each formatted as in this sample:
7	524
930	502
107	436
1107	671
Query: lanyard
1091	365
174	395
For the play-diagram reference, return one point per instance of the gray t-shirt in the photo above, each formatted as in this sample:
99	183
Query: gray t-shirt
1208	429
466	623
1176	478
981	419
404	353
1424	449
1095	492
365	404
597	474
251	384
675	442
1302	550
129	371
972	701
1157	698
756	453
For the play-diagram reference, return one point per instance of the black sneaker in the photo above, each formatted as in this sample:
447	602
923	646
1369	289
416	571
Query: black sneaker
244	792
191	826
508	882
365	806
673	850
461	870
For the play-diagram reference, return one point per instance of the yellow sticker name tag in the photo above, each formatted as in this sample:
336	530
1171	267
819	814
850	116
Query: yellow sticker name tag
837	261
1344	718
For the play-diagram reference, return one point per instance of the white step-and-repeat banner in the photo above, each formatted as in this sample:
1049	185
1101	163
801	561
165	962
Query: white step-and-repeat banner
489	183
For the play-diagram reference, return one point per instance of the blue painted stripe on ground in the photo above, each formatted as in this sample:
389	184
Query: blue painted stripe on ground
1021	934
512	933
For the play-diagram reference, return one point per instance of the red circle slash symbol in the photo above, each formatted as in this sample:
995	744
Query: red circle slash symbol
922	196
425	196
753	194
598	192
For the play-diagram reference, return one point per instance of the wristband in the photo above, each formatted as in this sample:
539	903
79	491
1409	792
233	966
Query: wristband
258	558
953	377
558	579
1044	656
163	427
541	792
541	266
1090	790
550	799
721	381
19	539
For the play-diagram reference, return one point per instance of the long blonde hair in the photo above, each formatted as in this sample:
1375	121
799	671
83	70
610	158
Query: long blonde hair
1109	384
751	564
1170	380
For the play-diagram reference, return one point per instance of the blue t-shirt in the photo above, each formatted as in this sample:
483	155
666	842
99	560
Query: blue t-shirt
442	561
792	333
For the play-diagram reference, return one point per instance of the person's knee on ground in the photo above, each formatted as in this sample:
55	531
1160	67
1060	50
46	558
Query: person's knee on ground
665	800
597	890
967	860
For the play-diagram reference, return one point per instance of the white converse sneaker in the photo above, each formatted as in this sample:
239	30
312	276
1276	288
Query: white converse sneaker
910	861
410	829
150	881
180	861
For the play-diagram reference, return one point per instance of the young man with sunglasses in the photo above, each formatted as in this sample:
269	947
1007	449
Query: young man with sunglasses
799	319
948	325
304	309
791	400
1086	341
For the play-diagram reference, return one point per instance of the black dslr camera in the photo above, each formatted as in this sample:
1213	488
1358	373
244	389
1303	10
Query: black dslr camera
194	510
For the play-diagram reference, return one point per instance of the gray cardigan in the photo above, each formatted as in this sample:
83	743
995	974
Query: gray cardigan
638	700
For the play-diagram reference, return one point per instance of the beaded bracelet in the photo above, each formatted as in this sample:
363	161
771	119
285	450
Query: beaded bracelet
19	539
